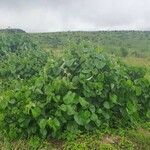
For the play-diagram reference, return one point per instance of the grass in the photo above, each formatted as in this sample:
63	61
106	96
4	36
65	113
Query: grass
138	139
135	61
141	138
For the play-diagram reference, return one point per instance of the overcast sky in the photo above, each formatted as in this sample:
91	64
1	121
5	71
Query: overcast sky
60	15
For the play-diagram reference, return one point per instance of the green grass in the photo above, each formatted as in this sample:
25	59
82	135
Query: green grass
138	139
141	138
142	62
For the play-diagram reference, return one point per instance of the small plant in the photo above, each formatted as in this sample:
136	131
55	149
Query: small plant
34	143
107	147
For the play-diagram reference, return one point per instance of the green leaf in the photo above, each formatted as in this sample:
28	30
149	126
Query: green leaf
92	108
72	127
112	85
67	108
1	118
131	107
106	105
42	123
12	101
99	111
98	122
138	91
99	64
106	115
63	107
54	124
36	111
83	102
69	98
129	83
70	110
39	91
3	103
82	118
43	132
148	114
29	106
94	117
113	98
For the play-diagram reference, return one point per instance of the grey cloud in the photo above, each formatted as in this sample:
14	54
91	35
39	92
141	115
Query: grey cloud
58	15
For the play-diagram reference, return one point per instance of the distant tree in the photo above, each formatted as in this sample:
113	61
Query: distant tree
9	30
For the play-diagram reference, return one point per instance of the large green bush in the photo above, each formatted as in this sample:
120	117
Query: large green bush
19	56
83	91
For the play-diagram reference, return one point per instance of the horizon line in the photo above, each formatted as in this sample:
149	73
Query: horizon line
100	30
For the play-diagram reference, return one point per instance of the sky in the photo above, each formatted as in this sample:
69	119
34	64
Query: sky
72	15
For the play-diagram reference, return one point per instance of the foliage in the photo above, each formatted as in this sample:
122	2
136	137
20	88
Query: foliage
135	43
19	56
83	91
124	52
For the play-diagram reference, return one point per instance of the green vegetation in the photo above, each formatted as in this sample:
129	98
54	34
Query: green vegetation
135	43
20	57
11	31
104	140
75	92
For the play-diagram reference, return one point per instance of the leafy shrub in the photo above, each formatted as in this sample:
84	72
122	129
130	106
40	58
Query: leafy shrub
83	91
19	56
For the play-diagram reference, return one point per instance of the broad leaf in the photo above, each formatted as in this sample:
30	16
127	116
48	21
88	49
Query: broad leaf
82	118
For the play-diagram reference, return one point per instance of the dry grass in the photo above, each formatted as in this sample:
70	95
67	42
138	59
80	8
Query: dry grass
142	62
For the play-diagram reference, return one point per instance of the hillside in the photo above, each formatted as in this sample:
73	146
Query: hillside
137	43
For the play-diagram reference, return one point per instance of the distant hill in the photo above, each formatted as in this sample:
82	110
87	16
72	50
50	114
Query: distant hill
12	31
135	43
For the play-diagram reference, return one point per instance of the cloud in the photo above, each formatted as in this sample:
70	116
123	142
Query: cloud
60	15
